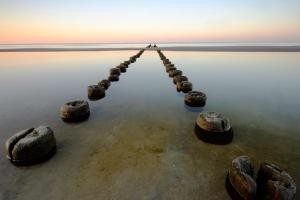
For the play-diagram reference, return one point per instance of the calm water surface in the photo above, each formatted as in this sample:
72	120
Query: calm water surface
139	142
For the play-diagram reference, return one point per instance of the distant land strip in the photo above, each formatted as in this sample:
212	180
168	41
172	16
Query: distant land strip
175	48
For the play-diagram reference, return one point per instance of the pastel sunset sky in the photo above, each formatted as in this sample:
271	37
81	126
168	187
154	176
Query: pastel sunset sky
97	21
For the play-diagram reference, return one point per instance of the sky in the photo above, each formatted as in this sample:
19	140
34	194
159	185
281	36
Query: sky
129	21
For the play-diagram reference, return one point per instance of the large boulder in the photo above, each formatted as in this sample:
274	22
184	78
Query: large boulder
240	182
273	183
95	92
195	99
75	111
31	146
213	127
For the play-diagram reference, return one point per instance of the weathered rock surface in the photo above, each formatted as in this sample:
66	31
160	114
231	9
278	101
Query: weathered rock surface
173	73
75	111
195	99
95	92
115	71
184	86
273	183
31	146
104	83
179	78
113	77
213	127
240	176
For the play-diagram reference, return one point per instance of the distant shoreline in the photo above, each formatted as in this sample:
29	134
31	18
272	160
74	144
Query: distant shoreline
175	48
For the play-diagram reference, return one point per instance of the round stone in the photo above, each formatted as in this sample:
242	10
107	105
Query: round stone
179	78
113	77
104	83
122	68
75	111
115	71
173	73
95	92
213	127
168	69
184	86
31	146
195	99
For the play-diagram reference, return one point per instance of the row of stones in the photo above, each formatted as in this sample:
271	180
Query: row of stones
79	110
210	127
35	145
271	183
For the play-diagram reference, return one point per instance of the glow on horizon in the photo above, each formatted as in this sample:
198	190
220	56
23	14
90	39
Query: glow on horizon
66	21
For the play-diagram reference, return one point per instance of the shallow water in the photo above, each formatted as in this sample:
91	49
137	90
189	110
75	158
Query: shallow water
139	141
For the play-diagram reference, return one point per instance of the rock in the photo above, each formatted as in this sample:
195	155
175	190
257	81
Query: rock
122	68
31	146
213	127
166	61
169	65
273	183
75	111
132	59
123	65
127	63
240	181
113	77
115	71
184	86
173	73
168	69
96	92
179	78
104	83
195	99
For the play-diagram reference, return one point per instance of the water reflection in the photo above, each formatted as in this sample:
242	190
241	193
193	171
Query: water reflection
139	140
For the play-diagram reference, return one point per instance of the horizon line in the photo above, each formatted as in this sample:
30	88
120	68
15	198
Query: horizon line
182	42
